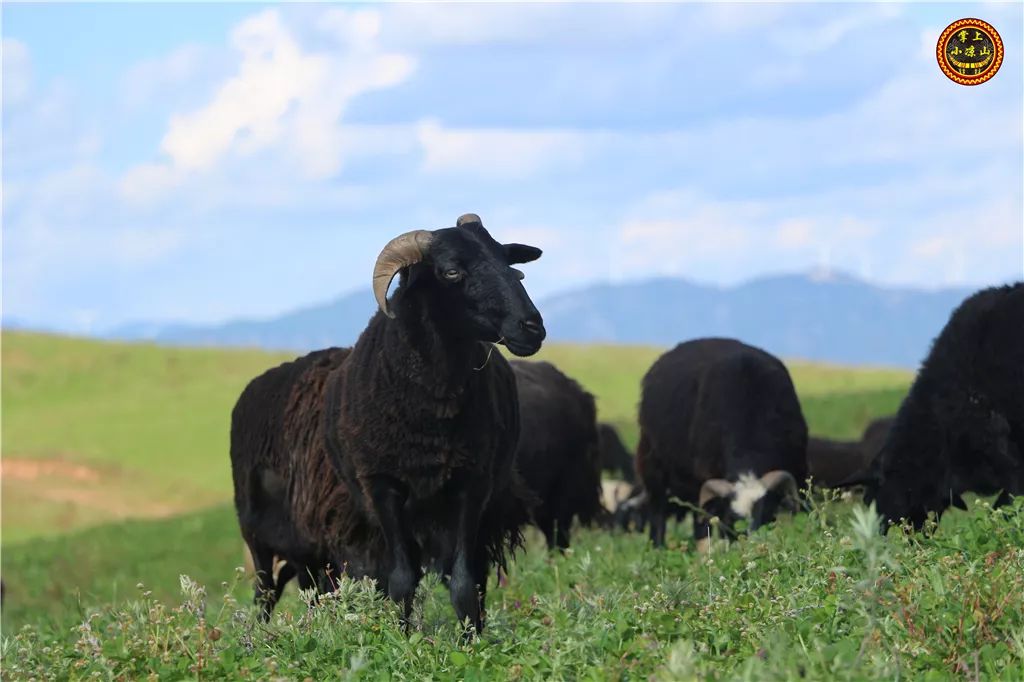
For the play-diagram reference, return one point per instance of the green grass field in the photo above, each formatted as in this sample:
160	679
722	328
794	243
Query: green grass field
116	474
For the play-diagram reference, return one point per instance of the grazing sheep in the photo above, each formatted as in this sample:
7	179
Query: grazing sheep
831	462
558	451
614	493
615	458
840	463
633	510
833	467
961	426
874	436
720	429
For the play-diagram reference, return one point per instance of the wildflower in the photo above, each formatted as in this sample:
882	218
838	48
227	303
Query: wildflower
195	596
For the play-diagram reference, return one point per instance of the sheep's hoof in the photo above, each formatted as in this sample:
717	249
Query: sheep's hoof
401	585
466	600
406	619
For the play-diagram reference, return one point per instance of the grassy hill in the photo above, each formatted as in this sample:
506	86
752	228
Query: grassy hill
96	431
820	596
115	474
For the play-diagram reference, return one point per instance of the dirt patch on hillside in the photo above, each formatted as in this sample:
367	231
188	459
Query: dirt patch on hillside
114	505
32	469
70	494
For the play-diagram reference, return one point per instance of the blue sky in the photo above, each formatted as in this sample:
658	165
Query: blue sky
200	162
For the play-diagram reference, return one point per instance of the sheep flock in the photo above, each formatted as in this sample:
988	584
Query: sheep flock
423	449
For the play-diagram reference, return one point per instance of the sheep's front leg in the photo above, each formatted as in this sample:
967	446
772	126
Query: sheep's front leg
388	496
658	516
469	565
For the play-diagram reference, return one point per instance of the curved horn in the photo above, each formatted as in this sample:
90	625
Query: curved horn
712	488
467	218
634	502
779	478
401	252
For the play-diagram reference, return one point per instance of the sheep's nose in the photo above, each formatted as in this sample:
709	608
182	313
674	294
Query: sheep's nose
532	325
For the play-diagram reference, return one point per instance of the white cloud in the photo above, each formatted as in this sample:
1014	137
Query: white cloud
893	127
282	98
357	28
738	17
828	231
147	79
446	25
669	233
246	112
963	244
803	40
458	24
920	234
17	71
149	181
497	152
138	247
289	100
795	233
465	24
40	127
933	246
69	217
703	232
61	193
270	184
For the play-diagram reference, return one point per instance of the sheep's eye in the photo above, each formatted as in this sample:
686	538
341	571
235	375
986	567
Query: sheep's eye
452	275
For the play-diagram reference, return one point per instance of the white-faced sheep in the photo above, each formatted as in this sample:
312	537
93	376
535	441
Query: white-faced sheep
720	429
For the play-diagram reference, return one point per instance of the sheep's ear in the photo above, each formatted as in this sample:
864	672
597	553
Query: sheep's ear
521	253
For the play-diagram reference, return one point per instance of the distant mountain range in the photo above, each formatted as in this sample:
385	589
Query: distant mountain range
336	323
832	318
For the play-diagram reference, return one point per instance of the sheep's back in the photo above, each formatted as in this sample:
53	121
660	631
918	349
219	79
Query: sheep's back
713	408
